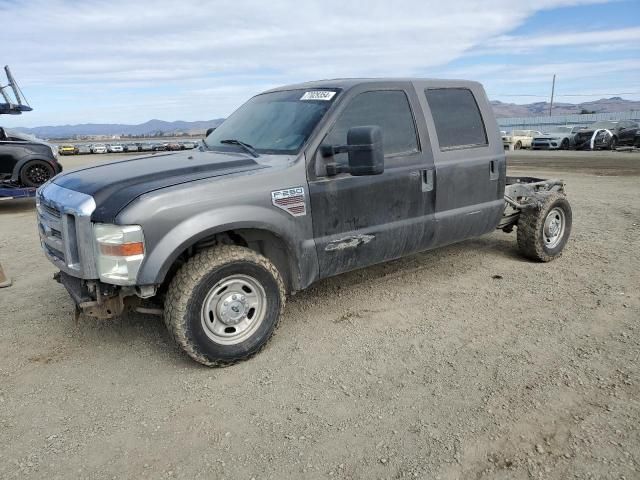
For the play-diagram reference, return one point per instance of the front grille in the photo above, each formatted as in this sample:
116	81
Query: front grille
54	212
66	233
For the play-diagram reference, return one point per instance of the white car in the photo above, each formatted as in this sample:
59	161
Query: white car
115	148
99	148
518	139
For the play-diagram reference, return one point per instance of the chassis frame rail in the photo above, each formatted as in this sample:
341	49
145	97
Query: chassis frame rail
525	192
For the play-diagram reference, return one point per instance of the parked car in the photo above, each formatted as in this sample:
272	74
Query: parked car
115	148
299	184
609	134
174	146
26	160
84	149
67	149
146	147
518	139
558	138
98	148
131	147
159	147
636	142
188	145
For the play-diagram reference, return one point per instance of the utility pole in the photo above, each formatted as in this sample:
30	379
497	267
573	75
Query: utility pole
553	88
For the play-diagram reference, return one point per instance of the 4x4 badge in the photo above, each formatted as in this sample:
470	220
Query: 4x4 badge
290	200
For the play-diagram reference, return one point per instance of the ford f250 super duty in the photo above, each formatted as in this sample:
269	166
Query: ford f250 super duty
301	183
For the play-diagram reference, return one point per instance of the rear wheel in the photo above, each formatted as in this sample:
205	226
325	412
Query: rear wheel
543	231
224	304
518	145
36	172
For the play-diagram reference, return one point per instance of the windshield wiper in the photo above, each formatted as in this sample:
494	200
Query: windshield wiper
246	146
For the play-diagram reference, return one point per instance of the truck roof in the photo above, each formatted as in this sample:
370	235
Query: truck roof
348	83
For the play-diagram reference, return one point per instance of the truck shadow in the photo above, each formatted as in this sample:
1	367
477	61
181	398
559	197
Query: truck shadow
148	336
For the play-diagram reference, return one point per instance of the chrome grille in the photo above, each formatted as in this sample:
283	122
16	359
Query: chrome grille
54	212
64	225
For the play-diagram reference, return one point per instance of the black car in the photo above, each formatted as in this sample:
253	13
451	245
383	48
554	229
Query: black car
25	160
610	134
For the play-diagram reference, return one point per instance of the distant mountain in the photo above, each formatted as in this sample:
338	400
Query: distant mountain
152	127
604	105
160	127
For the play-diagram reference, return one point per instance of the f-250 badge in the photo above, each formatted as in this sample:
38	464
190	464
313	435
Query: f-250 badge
290	200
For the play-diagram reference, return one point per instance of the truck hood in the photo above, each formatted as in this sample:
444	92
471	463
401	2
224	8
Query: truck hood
114	185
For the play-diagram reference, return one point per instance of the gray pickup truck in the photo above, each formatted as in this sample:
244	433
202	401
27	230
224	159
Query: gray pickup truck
299	184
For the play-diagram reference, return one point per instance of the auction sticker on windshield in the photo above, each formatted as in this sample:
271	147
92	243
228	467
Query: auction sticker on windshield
318	95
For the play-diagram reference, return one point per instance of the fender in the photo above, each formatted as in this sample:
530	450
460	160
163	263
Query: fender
302	258
15	176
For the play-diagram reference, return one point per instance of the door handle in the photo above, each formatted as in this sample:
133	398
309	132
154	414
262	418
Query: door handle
427	175
494	172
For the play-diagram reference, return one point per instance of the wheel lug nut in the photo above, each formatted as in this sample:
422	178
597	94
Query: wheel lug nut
234	297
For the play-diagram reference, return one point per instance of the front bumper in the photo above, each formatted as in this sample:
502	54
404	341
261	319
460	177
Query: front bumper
93	298
545	144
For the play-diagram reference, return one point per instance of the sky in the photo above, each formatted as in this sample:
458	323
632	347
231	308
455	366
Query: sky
124	61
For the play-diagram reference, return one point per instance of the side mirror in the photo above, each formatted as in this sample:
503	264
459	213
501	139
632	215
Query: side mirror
365	150
209	130
366	155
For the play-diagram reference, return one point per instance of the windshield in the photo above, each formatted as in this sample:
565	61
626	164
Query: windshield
561	130
604	125
273	123
19	135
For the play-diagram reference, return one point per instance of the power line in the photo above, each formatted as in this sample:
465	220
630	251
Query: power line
563	95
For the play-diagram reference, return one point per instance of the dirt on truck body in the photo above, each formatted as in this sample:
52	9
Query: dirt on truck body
301	183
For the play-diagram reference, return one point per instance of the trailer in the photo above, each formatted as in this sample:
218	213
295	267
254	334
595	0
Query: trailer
11	192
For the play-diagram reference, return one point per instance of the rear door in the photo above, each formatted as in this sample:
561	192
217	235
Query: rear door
469	162
359	221
628	131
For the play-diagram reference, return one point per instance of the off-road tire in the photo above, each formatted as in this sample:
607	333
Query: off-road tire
189	288
518	145
531	229
35	172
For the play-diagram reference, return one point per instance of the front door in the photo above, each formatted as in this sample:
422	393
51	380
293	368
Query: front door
359	221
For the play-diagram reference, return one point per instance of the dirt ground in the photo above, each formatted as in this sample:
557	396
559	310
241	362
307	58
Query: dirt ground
464	362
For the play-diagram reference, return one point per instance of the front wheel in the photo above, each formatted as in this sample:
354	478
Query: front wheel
613	143
518	145
543	231
564	145
224	304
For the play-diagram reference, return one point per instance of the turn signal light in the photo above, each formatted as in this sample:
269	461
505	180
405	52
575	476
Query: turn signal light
122	250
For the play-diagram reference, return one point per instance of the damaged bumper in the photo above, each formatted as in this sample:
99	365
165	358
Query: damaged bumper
93	298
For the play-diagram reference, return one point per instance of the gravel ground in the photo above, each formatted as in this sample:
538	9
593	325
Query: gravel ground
464	362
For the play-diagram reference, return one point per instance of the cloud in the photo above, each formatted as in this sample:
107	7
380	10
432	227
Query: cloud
606	39
209	56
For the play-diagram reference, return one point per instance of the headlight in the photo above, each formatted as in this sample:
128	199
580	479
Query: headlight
120	252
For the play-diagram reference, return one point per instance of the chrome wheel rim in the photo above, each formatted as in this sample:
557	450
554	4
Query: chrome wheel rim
234	309
554	226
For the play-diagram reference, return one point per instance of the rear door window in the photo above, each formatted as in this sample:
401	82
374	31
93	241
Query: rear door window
457	118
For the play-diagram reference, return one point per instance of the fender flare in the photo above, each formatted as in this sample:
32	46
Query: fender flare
15	176
163	254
